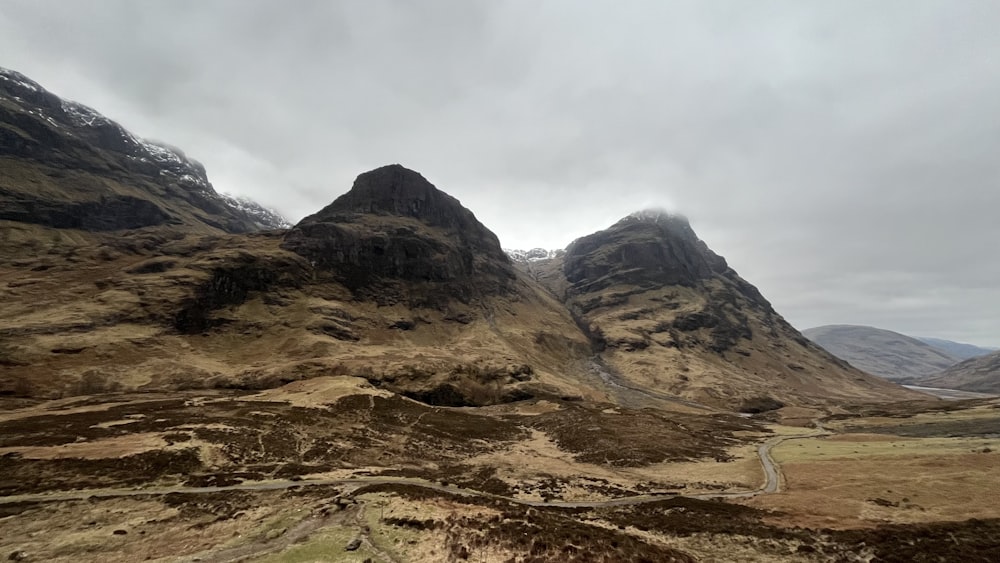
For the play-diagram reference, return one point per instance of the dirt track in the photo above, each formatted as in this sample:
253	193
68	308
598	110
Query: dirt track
772	483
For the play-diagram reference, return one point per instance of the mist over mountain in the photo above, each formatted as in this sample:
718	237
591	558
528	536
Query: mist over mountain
186	375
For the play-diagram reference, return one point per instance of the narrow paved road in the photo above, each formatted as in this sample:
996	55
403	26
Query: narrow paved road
772	481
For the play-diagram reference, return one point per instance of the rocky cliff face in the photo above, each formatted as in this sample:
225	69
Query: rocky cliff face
647	249
65	165
395	236
667	314
395	282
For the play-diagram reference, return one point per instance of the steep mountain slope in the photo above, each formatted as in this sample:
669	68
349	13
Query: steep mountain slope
980	374
121	268
395	282
957	350
395	236
881	352
669	315
64	165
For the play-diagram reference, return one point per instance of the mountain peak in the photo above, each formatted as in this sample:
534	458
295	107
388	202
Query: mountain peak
395	227
646	247
657	215
400	191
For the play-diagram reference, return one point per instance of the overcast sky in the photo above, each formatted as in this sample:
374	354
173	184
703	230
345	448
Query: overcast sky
843	156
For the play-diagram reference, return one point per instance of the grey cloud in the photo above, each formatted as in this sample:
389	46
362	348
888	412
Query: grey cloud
841	155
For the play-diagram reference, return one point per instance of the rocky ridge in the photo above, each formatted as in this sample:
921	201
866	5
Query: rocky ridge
394	235
394	283
65	165
667	313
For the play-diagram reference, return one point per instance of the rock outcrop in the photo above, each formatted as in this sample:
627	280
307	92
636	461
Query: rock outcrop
647	249
395	236
666	313
64	165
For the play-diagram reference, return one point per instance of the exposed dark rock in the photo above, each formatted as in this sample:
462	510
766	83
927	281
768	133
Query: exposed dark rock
336	330
757	405
231	283
650	250
108	213
98	175
395	236
446	395
156	265
647	249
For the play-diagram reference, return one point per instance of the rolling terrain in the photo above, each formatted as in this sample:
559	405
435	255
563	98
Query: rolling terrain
184	379
980	374
881	352
667	313
958	350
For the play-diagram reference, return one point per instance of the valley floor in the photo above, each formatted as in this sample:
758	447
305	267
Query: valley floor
330	470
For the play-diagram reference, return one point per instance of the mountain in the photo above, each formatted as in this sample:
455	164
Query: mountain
64	165
957	350
980	374
395	236
881	352
122	269
667	314
394	282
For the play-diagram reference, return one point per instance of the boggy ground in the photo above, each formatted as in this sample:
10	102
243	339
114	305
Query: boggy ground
889	485
344	427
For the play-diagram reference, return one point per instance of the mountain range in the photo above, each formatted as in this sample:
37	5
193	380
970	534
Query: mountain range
980	374
64	165
958	350
881	352
123	269
929	362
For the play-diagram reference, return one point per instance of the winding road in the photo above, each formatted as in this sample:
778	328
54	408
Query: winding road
772	484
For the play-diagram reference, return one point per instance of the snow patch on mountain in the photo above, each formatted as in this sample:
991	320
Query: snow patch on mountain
654	215
150	156
533	255
19	79
264	217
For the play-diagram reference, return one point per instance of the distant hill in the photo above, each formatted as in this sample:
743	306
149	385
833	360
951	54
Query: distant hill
981	374
881	352
958	350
